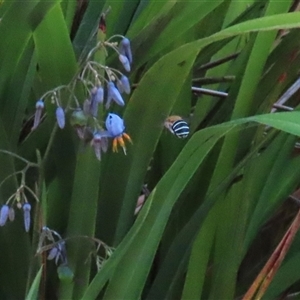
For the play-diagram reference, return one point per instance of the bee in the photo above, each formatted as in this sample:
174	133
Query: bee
177	126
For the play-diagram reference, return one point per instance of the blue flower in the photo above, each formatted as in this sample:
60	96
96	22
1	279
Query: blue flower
113	94
125	49
116	129
4	212
52	253
125	84
59	253
99	142
39	106
114	125
125	62
60	117
96	98
26	211
99	95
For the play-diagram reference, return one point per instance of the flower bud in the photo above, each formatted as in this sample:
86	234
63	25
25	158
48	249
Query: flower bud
99	142
60	117
125	84
39	106
114	125
26	210
120	86
99	96
113	94
125	62
52	253
125	49
96	98
86	106
78	118
96	143
11	214
4	214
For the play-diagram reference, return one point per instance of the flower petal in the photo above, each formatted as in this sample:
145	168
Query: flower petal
114	125
96	143
120	86
125	62
52	253
4	214
60	117
99	95
39	106
125	84
125	49
26	211
114	94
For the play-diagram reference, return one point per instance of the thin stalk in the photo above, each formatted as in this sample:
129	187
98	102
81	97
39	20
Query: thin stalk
209	92
213	80
218	62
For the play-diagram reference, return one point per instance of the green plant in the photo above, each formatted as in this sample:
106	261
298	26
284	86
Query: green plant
165	217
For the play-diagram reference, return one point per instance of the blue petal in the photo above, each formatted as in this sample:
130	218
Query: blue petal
99	95
39	106
125	84
52	253
114	125
26	210
126	49
114	94
125	62
4	214
60	117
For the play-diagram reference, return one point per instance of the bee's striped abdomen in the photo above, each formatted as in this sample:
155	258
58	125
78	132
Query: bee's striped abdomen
181	129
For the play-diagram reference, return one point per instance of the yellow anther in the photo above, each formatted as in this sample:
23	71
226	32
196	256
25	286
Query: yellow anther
115	145
127	137
121	141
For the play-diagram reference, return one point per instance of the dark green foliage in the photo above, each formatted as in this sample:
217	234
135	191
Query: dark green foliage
211	195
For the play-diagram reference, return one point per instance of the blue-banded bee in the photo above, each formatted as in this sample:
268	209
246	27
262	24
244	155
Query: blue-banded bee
177	126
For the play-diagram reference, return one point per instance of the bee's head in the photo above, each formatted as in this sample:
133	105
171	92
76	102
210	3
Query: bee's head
169	121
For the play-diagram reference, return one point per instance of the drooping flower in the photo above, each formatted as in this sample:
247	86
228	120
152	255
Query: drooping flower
99	95
125	84
11	214
116	129
60	117
39	106
99	142
4	214
58	252
114	125
26	211
125	62
113	94
96	98
125	49
120	86
52	253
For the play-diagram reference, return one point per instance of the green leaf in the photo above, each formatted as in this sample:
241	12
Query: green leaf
199	259
34	289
